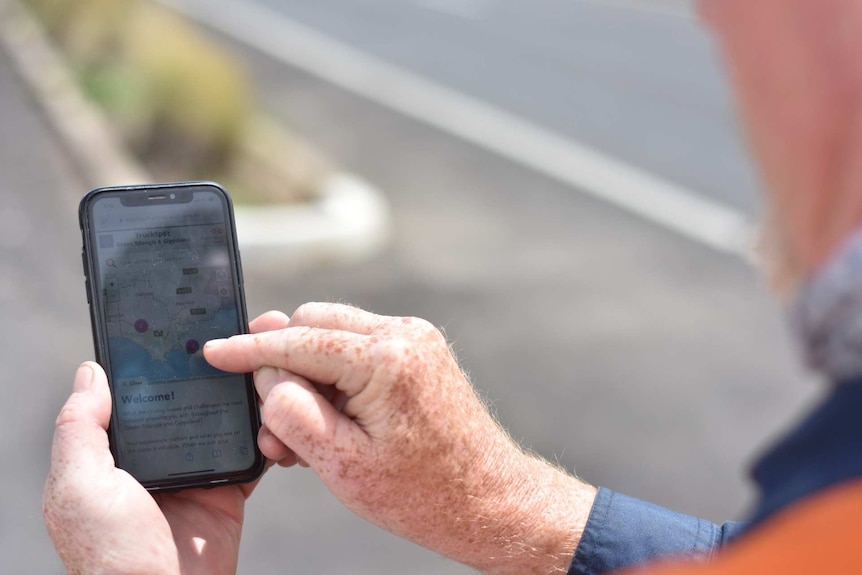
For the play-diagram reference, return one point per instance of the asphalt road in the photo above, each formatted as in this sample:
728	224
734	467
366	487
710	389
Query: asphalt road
649	364
46	326
637	79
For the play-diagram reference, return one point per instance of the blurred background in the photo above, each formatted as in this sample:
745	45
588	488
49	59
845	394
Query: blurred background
568	197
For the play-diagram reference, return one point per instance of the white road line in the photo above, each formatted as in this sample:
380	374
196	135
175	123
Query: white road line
674	8
466	9
520	141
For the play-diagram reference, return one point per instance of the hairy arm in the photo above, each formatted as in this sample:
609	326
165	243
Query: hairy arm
378	407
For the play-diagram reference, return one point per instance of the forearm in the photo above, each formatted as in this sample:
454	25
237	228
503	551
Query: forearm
413	449
526	517
542	520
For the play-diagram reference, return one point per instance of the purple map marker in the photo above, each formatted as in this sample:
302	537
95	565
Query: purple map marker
192	346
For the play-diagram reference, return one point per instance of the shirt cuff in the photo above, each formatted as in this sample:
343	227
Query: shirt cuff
623	531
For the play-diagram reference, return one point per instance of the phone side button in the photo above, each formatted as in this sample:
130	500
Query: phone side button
240	276
86	274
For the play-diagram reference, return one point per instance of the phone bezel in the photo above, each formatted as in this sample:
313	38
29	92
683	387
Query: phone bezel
184	191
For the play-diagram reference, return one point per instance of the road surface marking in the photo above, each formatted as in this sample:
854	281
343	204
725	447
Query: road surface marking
675	8
522	142
466	9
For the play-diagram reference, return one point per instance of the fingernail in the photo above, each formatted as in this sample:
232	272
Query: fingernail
214	344
83	378
267	375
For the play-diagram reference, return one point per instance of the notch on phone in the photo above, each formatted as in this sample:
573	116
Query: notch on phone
157	196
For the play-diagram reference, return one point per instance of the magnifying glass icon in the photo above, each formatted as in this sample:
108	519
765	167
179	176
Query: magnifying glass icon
110	263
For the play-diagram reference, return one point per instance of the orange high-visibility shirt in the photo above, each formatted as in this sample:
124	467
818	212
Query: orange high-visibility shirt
822	534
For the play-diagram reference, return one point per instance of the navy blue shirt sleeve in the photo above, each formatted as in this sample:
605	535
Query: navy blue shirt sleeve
623	531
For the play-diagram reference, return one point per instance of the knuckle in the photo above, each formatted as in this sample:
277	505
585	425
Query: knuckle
419	329
418	325
427	332
302	334
278	409
251	352
401	359
392	351
266	348
71	412
303	313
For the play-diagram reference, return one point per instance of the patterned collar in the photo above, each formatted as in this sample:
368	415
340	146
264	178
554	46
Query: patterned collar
827	316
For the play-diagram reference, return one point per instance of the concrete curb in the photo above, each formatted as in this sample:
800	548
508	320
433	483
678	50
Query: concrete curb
348	223
81	127
349	220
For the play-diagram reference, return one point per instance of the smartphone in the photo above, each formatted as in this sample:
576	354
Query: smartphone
163	276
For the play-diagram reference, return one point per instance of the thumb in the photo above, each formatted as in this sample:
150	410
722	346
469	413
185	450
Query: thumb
304	420
80	435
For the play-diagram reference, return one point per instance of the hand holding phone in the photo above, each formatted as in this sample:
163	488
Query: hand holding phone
163	276
103	521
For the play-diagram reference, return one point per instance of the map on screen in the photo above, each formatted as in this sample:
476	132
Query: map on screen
166	291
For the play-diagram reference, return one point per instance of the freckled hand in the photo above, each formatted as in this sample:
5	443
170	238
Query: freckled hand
404	441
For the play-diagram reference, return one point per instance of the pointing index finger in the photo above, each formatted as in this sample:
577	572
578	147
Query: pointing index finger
320	355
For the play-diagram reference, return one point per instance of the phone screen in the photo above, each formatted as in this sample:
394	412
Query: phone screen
166	279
